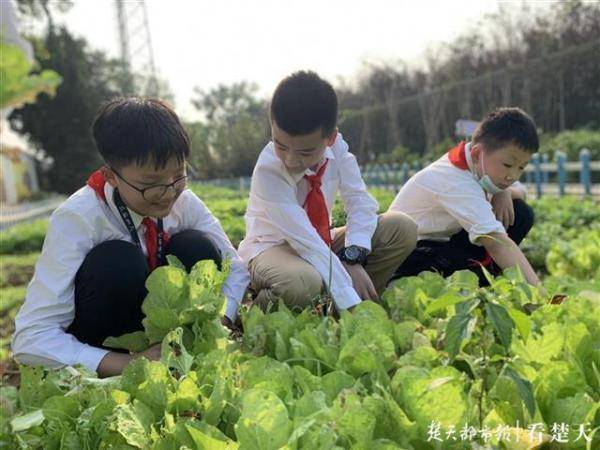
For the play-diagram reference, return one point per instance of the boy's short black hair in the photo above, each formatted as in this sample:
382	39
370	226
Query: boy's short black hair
136	129
303	102
504	126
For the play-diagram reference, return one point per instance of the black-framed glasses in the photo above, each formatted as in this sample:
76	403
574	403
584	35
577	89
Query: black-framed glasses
158	191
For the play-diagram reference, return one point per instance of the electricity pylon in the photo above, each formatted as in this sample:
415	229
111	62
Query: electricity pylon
136	51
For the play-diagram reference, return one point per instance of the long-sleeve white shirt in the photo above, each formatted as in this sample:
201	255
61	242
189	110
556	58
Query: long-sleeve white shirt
275	214
81	223
443	199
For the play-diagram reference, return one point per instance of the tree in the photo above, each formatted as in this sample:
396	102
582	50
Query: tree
235	129
43	9
61	125
543	59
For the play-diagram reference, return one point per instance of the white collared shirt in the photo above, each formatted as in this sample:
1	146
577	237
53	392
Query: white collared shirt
275	214
78	225
443	199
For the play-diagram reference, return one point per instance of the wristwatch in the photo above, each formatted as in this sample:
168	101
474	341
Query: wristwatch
354	254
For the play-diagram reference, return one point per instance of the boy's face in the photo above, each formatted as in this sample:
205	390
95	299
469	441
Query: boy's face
131	179
298	153
504	165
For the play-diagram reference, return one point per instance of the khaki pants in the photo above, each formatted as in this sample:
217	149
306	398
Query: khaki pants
280	273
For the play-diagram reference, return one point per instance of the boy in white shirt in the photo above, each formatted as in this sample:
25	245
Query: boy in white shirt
469	206
291	250
104	240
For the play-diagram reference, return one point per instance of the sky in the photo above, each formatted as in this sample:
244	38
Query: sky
204	43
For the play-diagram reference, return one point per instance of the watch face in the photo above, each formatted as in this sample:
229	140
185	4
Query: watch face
352	253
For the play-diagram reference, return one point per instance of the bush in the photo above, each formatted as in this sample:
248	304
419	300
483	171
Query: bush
571	142
579	258
24	238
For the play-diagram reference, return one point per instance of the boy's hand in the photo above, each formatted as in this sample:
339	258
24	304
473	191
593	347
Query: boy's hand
502	205
361	281
113	363
152	353
226	322
234	331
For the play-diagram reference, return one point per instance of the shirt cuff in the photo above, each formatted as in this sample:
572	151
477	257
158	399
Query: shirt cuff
476	233
232	309
345	298
360	239
90	357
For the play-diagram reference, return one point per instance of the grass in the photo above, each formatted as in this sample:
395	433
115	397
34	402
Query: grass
16	270
10	301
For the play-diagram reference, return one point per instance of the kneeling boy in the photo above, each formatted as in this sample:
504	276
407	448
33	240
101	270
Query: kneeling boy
292	252
468	205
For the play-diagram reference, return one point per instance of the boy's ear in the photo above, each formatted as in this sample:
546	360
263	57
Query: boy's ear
109	176
332	137
475	152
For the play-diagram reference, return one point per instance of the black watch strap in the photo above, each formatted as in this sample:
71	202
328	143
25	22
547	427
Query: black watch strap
354	254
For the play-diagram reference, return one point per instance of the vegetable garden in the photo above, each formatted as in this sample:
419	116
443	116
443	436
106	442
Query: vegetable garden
438	363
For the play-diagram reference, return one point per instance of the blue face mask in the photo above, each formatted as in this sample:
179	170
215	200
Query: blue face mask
485	181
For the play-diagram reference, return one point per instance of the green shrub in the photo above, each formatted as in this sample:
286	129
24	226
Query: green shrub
571	142
24	238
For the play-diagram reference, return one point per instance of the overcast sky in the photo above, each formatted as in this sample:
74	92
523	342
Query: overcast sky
205	43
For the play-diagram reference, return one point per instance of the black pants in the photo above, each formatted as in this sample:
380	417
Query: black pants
110	284
459	253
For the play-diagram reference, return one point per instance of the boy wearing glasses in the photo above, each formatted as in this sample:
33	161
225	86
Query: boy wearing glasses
107	237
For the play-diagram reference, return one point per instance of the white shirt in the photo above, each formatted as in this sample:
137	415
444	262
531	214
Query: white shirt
81	223
275	214
443	199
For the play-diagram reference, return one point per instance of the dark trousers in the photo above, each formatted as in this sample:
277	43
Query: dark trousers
110	284
459	253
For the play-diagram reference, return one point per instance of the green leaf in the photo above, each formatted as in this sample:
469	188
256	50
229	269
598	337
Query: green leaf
150	382
174	261
573	410
467	307
268	374
27	421
134	342
426	395
403	334
203	441
502	323
558	379
305	380
264	423
391	421
420	357
525	389
541	348
133	423
365	352
35	387
61	408
18	85
522	322
174	354
456	332
167	297
443	302
354	423
186	397
335	382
